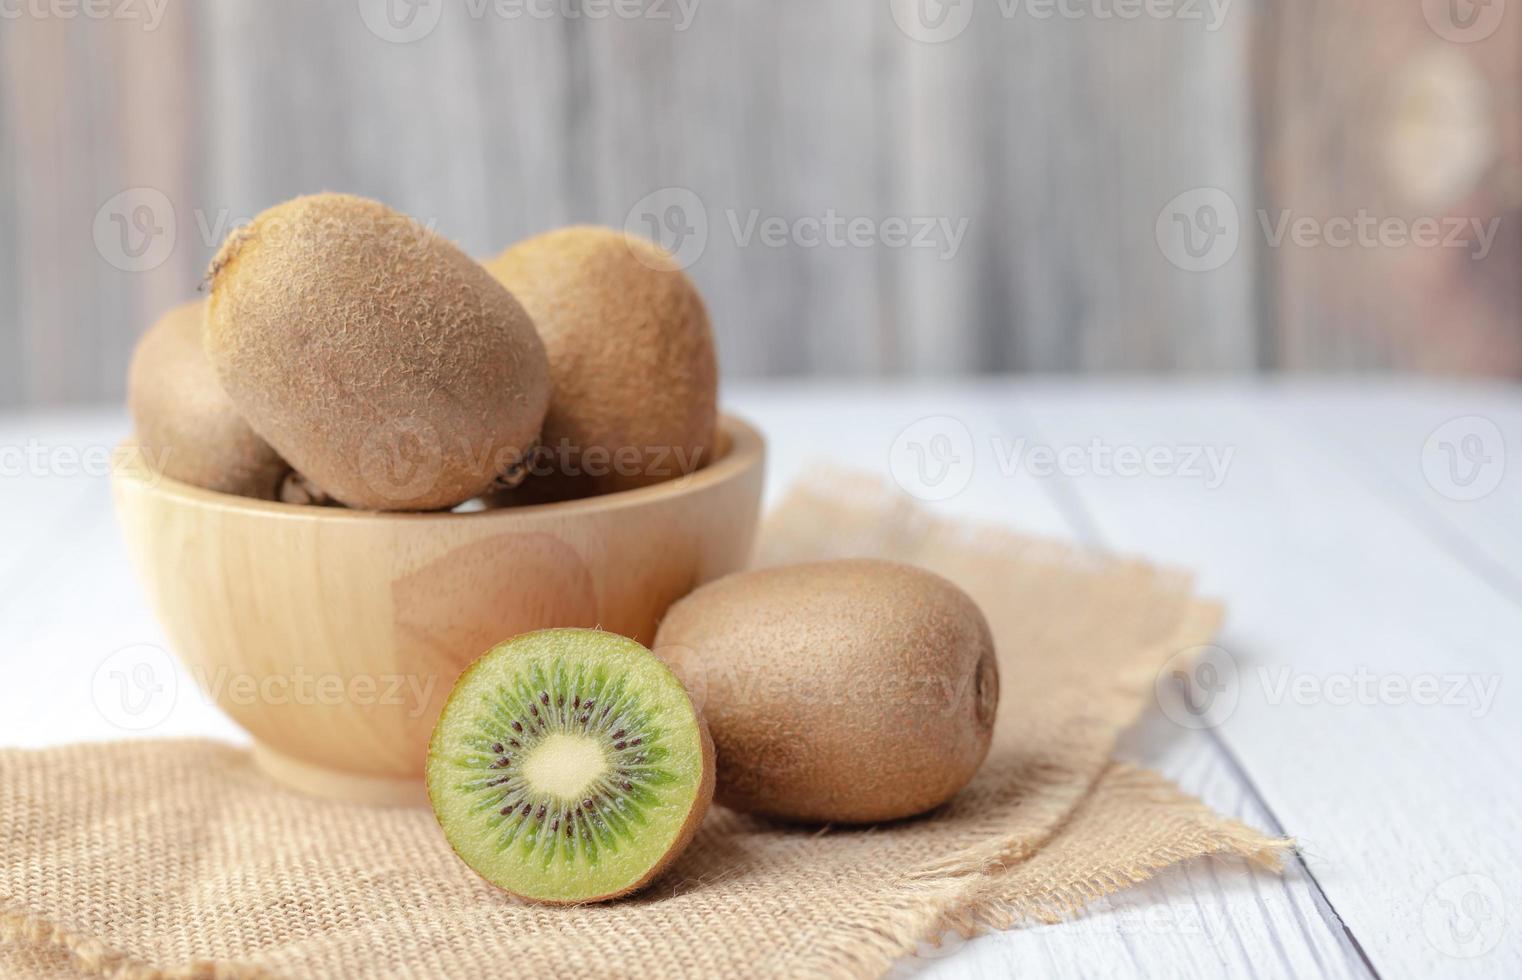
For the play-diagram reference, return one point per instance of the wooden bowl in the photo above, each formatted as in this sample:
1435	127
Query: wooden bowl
334	636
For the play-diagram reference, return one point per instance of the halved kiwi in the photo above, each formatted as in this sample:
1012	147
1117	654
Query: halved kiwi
569	765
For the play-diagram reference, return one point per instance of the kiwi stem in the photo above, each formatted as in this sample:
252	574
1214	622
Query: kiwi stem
513	477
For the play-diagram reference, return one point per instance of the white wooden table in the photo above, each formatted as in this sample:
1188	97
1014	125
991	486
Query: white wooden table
1362	702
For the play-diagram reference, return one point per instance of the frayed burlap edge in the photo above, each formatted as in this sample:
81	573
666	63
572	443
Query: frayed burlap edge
987	887
966	902
93	958
970	904
996	884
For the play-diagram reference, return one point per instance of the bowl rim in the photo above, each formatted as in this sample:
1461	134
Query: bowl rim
746	450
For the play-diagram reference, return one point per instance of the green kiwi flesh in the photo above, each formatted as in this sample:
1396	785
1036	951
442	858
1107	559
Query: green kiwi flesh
569	765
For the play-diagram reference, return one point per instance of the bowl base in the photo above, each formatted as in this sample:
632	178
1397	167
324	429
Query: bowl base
339	784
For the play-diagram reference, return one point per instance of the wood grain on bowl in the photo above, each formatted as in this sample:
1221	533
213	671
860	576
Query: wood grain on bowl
334	636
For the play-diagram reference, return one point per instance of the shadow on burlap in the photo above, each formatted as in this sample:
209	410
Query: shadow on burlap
179	859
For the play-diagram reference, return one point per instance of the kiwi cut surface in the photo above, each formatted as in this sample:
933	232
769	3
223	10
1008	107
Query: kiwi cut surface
569	765
185	421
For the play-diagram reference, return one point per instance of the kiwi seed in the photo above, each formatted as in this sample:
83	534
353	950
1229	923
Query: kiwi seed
380	360
631	358
840	691
184	421
569	765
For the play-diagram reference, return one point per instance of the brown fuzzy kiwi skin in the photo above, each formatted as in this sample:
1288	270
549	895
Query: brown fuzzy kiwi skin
185	422
700	806
631	355
853	691
352	338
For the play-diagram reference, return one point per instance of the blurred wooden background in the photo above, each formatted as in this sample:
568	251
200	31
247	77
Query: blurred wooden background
132	142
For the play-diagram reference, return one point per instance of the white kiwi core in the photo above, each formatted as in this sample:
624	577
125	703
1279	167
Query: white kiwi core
565	765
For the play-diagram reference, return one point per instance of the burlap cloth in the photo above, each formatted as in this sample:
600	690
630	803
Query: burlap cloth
179	859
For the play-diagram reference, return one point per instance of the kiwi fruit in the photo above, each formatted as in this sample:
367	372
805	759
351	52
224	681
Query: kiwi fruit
631	359
297	489
840	691
381	361
569	765
183	420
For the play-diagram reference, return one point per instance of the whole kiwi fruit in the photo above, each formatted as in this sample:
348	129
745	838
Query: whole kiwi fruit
631	357
380	360
569	765
184	421
840	691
